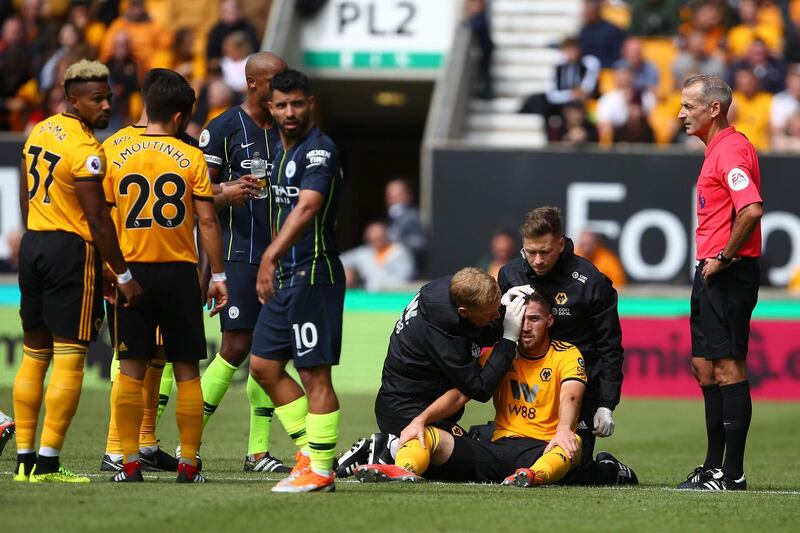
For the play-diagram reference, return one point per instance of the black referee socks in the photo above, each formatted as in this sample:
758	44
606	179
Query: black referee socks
737	409
712	395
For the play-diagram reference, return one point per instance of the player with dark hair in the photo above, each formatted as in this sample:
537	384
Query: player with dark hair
586	316
301	285
536	405
158	184
726	281
158	369
230	142
60	278
434	348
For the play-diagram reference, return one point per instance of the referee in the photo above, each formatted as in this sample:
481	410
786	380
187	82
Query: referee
725	290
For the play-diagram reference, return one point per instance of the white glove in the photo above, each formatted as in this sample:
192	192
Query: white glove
512	322
603	422
513	292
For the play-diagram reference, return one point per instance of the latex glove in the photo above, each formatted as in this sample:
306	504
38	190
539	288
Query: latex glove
603	422
512	322
512	293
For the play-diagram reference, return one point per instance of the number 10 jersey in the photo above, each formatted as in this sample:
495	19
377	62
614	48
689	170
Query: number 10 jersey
152	180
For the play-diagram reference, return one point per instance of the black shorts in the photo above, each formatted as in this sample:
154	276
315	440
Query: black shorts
243	307
61	281
172	304
487	462
111	315
302	323
721	308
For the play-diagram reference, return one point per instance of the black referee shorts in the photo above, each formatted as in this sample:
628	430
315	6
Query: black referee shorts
721	308
172	304
487	462
61	283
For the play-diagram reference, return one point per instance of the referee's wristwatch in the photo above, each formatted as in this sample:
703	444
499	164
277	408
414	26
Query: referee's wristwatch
724	260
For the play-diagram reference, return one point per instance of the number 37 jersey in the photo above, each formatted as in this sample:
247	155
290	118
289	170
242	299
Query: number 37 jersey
60	152
153	181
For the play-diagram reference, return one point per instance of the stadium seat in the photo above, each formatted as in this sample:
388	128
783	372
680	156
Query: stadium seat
661	51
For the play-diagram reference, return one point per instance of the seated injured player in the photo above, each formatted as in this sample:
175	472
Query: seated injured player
536	404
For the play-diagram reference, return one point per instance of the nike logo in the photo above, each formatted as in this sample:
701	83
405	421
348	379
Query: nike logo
304	352
248	144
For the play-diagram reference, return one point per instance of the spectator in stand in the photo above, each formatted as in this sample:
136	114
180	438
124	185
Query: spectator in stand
787	139
740	37
91	30
613	108
11	263
379	264
502	248
707	19
478	20
576	128
54	102
230	21
591	247
785	103
645	74
575	80
599	37
654	18
148	40
40	33
220	98
70	41
15	70
405	223
124	80
184	61
749	112
770	72
636	128
236	49
694	59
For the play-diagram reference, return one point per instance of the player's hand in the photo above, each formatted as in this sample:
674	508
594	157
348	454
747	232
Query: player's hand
217	297
265	280
566	440
512	322
240	190
512	293
603	422
109	285
414	430
132	292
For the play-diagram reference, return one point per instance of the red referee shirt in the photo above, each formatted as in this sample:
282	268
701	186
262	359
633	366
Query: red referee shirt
729	180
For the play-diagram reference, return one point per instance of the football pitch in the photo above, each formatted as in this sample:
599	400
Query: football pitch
661	439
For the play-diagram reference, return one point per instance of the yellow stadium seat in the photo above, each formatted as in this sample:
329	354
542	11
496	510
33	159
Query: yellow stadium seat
663	119
617	13
605	81
661	51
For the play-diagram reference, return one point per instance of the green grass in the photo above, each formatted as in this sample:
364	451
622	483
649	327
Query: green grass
661	439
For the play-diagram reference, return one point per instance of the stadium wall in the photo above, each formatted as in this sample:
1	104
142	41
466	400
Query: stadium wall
641	201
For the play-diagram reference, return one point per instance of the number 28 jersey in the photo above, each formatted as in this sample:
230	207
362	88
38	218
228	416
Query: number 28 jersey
153	181
60	151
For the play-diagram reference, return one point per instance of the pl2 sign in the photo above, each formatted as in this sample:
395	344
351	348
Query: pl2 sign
380	34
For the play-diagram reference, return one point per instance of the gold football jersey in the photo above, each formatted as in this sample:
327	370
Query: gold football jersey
153	181
527	399
60	151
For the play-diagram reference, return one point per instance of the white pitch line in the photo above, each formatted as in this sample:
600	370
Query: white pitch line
212	478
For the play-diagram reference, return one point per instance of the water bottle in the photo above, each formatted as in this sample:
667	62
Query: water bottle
258	167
